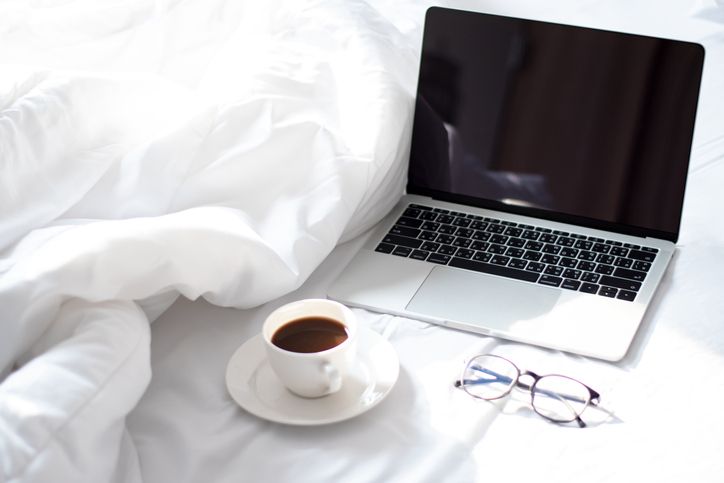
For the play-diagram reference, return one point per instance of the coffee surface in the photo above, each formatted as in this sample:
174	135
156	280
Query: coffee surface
310	334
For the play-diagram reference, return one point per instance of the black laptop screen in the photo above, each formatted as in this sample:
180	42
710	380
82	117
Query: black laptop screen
566	123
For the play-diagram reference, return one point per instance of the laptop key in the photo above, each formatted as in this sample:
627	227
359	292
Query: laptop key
589	287
515	252
570	284
590	277
464	232
500	260
411	222
608	292
570	273
565	241
604	269
430	225
405	231
642	266
553	270
385	248
588	256
550	280
496	249
464	253
479	245
447	229
630	274
552	249
447	250
626	295
439	258
623	262
411	212
568	262
607	259
601	247
428	216
430	246
551	259
619	251
446	239
482	256
462	242
481	235
402	241
494	269
533	256
518	263
427	235
402	251
535	267
569	252
463	222
631	285
447	219
419	254
548	238
643	256
516	242
586	266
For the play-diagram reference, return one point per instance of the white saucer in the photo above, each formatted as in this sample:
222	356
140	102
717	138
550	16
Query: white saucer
254	386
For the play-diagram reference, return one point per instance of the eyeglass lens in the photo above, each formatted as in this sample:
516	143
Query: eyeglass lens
559	398
489	377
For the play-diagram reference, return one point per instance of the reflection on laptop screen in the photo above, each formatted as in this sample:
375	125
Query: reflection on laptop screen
555	120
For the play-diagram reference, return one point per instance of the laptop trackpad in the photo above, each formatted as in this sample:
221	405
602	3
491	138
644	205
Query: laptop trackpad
482	300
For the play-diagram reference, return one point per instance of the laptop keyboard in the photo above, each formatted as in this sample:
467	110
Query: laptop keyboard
522	252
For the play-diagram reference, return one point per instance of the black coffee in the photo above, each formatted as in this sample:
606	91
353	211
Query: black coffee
310	334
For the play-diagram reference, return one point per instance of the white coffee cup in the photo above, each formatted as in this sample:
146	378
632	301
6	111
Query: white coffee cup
311	374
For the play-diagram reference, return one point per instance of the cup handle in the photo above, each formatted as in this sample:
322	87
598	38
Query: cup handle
334	378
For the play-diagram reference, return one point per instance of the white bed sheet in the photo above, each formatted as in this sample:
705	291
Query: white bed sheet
666	393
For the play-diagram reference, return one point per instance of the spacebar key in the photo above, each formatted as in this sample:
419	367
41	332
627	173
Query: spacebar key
493	269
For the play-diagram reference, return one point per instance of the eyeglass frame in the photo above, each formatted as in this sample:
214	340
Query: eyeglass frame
593	399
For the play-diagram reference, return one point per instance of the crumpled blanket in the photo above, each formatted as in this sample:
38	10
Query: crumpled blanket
213	149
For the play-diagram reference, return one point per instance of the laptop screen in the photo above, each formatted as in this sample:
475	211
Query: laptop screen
567	123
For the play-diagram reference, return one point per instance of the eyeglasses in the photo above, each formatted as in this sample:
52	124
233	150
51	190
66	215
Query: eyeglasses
557	398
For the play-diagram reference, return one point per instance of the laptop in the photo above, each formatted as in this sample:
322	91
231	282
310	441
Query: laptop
545	183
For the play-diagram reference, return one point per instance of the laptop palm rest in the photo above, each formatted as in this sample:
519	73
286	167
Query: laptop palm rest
490	303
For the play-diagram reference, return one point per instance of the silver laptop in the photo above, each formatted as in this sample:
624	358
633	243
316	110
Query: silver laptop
545	184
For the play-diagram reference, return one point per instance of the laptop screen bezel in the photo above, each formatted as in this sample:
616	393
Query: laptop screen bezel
551	215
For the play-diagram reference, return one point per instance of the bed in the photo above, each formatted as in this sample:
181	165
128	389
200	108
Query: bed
174	171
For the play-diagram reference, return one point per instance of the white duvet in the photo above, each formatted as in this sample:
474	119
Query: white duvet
212	149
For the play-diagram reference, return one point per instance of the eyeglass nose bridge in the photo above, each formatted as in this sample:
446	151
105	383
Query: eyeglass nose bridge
524	386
